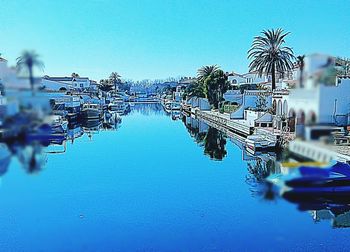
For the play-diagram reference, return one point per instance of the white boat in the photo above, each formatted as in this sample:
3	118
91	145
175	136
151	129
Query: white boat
118	105
259	142
91	111
171	106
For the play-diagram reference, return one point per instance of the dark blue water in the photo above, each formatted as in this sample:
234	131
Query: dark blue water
148	186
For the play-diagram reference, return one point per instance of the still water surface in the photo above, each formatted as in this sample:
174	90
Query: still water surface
152	185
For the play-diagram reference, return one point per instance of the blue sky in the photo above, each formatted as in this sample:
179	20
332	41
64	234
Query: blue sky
160	38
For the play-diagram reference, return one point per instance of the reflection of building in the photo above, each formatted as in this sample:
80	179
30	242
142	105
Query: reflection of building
340	218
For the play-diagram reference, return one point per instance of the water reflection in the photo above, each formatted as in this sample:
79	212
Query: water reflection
259	169
212	140
32	150
260	165
147	108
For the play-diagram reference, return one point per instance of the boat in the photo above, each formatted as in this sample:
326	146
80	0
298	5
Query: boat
118	105
91	111
175	106
68	106
259	142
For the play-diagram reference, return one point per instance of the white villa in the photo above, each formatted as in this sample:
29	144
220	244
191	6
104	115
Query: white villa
65	83
248	78
316	103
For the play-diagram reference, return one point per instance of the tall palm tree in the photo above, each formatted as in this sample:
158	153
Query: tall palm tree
268	54
205	71
26	62
115	79
301	64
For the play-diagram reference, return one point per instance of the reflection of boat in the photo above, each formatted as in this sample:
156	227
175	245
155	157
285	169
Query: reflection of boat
175	115
5	158
259	142
74	132
175	106
91	111
311	181
45	134
170	105
57	122
117	105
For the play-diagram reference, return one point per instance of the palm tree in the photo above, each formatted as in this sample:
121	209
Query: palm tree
205	71
115	79
75	75
300	60
26	62
268	54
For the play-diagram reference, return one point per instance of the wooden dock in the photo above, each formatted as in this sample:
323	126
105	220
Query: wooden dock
224	122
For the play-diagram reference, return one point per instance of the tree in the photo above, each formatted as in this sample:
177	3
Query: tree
216	85
195	89
268	54
300	60
26	62
114	78
261	102
105	85
205	71
75	75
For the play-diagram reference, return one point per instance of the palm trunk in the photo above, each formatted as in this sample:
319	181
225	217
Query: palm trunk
273	72
31	80
301	77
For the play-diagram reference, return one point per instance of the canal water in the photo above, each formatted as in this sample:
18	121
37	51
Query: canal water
154	182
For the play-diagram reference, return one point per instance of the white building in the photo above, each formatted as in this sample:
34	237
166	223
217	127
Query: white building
236	79
65	83
250	100
318	103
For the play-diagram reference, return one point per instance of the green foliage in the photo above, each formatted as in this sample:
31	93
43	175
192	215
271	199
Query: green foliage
216	85
195	89
261	103
328	76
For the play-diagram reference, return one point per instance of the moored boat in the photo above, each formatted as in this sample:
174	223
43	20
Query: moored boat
258	142
91	111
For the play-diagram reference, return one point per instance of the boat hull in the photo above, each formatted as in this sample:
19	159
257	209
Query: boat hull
91	114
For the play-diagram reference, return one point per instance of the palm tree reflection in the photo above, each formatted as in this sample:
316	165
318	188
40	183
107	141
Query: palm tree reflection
258	170
31	157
